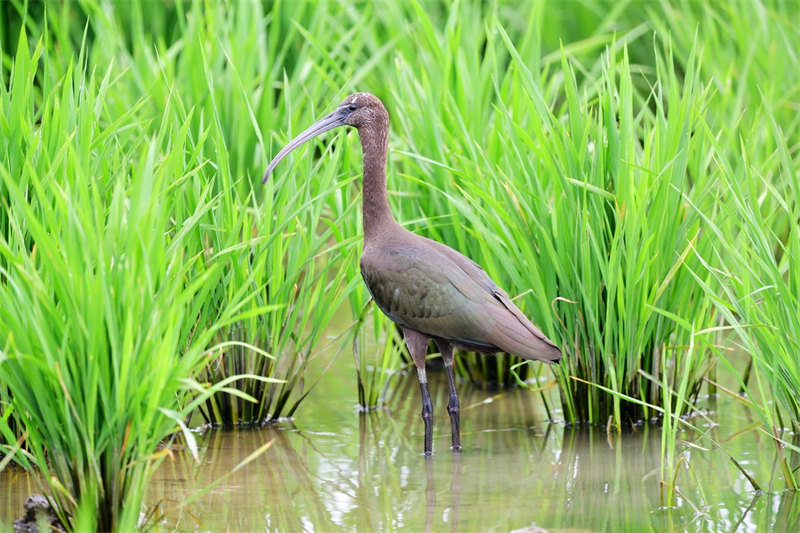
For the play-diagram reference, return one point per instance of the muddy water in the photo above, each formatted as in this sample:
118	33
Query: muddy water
338	470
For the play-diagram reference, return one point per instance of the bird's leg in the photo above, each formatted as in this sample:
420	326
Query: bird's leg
446	350
418	345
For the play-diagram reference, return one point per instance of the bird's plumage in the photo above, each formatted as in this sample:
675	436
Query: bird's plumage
428	287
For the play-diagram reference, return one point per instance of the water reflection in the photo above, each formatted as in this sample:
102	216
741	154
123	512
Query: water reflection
341	470
366	472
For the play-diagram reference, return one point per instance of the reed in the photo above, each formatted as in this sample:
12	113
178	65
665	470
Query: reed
99	341
601	160
756	286
567	188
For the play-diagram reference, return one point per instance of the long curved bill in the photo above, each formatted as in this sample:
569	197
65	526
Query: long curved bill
329	122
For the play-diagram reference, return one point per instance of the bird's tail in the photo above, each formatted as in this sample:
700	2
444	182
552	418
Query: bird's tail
521	338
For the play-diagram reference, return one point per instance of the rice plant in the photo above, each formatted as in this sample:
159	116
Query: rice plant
607	162
569	189
220	74
287	267
103	319
97	341
756	287
292	249
620	237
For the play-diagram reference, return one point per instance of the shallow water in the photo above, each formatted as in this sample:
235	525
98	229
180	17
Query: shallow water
336	469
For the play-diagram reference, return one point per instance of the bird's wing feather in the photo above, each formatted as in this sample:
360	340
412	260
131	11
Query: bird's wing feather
518	332
428	287
420	295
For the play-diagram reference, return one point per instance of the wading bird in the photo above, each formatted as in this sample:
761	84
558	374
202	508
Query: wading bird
430	290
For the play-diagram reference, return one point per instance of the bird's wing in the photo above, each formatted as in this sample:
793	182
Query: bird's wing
418	292
482	280
433	289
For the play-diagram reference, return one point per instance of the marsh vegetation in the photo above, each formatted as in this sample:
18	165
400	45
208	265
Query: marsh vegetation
628	171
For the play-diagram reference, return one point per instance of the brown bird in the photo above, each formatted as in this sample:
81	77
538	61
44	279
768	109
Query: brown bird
430	290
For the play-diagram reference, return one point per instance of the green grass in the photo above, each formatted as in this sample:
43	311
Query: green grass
630	178
99	338
129	254
756	287
567	188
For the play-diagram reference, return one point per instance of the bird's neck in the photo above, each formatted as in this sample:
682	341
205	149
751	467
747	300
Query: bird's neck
376	216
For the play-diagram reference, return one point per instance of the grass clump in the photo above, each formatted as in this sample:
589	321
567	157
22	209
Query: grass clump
135	254
755	285
287	268
567	186
621	240
100	327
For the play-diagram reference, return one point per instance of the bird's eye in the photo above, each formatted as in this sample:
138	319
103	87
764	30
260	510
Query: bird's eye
351	107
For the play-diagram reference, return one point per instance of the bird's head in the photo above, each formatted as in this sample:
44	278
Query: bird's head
358	110
363	109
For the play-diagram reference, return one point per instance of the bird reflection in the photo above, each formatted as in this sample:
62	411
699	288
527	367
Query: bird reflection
451	512
455	492
430	493
506	423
